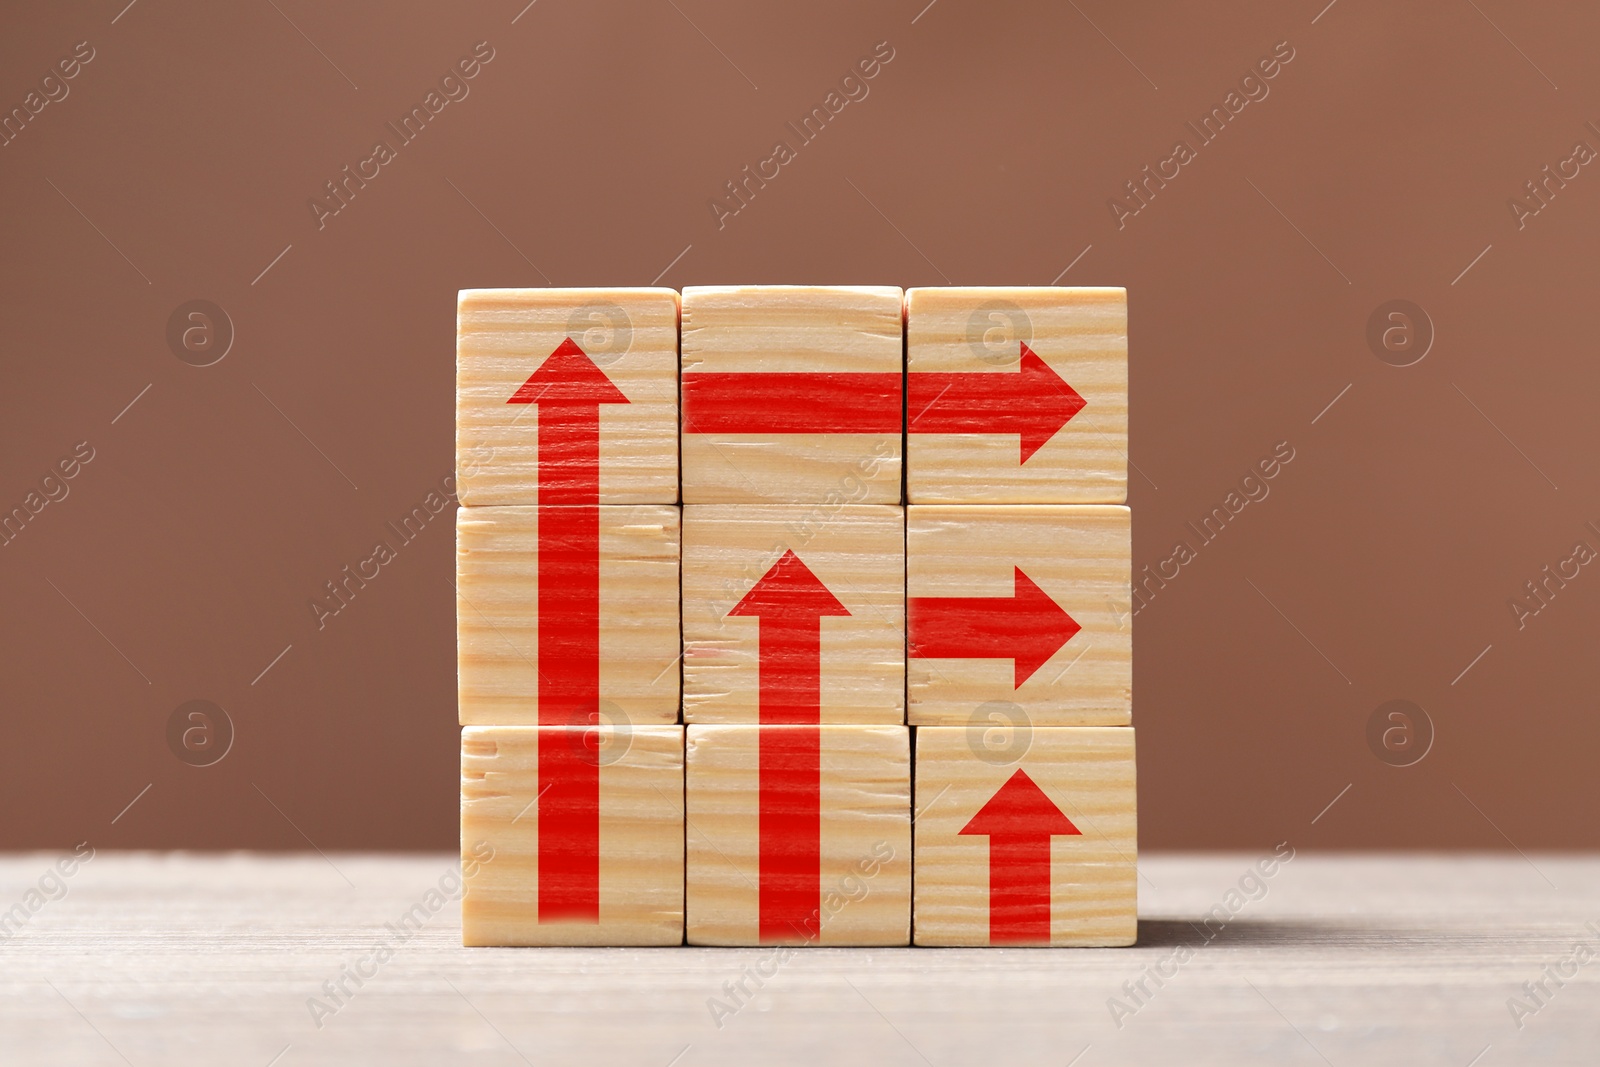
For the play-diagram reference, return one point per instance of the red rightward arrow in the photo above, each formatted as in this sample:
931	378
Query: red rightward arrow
790	603
1034	403
792	402
569	390
1019	821
1026	627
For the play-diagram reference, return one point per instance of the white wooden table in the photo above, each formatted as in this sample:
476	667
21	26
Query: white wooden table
185	959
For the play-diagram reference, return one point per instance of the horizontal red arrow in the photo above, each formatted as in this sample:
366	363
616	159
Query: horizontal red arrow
1026	627
792	402
1034	403
1019	821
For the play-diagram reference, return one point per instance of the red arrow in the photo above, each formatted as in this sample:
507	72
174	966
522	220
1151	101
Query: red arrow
1033	403
789	833
569	697
569	825
789	601
1019	821
1026	627
792	402
569	390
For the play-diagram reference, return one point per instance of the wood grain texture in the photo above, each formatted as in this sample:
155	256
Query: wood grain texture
1393	959
641	836
857	551
1080	556
497	620
504	335
1082	334
1087	772
787	329
865	881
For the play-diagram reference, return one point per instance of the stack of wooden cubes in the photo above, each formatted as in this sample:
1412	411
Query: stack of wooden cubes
795	615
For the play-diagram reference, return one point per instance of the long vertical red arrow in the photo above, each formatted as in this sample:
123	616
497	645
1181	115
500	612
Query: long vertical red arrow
790	603
1019	821
1026	627
569	390
1034	403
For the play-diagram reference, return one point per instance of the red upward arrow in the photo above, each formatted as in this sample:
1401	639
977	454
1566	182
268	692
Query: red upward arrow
789	833
1033	403
789	601
1026	627
569	390
792	402
1019	821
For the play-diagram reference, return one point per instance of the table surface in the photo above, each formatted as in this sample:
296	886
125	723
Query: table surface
1334	959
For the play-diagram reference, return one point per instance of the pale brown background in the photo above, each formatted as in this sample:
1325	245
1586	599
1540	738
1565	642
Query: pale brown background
186	555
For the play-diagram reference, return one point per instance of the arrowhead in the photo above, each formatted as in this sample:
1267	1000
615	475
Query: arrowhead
1020	809
1046	403
1042	628
568	376
789	589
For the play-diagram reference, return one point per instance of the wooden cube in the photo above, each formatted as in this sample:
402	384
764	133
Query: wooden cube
1036	844
792	394
567	396
568	615
1019	613
572	835
1016	395
794	613
798	835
